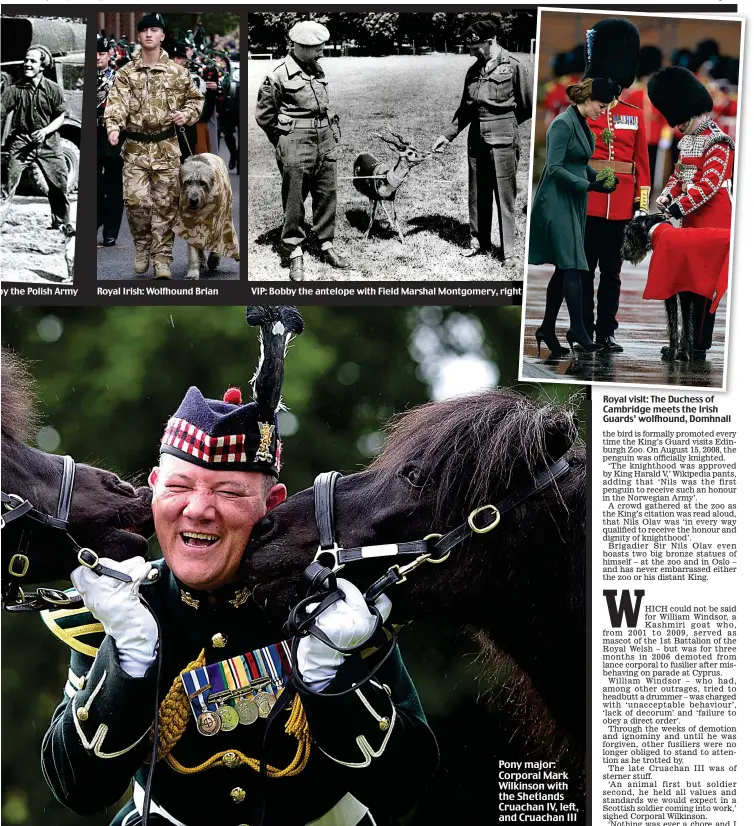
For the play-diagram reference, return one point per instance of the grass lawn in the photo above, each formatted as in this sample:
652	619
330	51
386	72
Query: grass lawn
417	96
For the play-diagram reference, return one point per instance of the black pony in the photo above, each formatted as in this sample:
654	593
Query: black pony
521	586
107	514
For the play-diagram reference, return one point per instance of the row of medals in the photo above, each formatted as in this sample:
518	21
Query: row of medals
245	712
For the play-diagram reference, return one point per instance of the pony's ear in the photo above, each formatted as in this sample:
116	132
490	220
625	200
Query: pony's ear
561	432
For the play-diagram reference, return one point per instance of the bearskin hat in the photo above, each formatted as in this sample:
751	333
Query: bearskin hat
560	64
650	60
678	94
577	59
612	50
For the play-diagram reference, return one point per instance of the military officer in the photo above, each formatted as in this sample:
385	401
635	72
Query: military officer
38	108
292	109
329	759
698	192
109	162
620	144
151	99
497	96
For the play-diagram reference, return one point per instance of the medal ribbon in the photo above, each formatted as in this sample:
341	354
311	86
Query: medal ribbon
273	662
193	681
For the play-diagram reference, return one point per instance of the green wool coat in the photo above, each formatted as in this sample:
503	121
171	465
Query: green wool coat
558	216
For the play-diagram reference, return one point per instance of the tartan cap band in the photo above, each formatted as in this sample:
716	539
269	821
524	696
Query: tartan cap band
190	439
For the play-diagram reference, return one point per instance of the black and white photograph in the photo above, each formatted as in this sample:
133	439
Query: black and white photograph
632	209
168	103
42	90
409	130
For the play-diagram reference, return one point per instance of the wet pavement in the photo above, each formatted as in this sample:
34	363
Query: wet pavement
117	263
642	332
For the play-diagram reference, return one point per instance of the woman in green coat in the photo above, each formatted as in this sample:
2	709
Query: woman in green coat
558	219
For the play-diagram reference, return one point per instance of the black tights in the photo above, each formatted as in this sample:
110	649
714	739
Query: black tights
565	284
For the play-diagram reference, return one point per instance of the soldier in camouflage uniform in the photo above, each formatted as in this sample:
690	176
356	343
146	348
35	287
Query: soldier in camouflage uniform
497	96
151	98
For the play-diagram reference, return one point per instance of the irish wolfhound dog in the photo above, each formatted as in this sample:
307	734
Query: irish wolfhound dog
205	212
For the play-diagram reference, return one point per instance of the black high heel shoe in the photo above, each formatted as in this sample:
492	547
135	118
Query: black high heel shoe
586	345
557	351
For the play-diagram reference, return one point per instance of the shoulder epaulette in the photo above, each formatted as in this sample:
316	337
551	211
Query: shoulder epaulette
630	105
77	627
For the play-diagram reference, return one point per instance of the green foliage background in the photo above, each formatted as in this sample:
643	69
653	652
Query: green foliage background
109	378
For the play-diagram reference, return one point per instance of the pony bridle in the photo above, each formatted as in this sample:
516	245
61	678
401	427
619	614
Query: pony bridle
15	508
318	588
434	549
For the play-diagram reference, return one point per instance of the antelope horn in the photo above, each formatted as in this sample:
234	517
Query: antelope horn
389	142
396	135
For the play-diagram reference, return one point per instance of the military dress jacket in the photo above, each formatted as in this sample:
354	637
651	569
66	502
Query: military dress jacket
373	743
701	182
142	98
558	215
620	140
34	107
288	93
495	98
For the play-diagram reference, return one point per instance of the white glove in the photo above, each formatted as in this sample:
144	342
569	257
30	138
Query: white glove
116	605
348	624
639	212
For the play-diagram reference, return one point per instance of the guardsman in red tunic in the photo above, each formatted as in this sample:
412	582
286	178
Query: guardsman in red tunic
698	192
620	145
567	67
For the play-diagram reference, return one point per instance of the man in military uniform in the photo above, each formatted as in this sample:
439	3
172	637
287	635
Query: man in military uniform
109	162
698	192
497	97
292	110
330	759
620	144
38	108
151	99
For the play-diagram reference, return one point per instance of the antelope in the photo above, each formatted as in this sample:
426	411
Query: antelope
379	180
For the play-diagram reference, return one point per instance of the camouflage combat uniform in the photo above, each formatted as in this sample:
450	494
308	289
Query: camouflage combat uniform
292	110
35	107
496	98
140	103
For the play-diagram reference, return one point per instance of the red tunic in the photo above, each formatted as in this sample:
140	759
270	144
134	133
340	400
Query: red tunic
691	260
556	100
702	179
629	145
654	122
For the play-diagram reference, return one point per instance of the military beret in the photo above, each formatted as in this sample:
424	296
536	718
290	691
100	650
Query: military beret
103	44
151	20
180	49
309	33
479	31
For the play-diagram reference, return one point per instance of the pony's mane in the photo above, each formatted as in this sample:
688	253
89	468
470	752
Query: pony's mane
497	432
18	403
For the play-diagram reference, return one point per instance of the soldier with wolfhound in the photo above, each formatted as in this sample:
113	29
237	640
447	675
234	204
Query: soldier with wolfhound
151	99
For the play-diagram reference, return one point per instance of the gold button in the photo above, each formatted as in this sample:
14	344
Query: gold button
82	714
219	640
231	760
238	795
384	724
